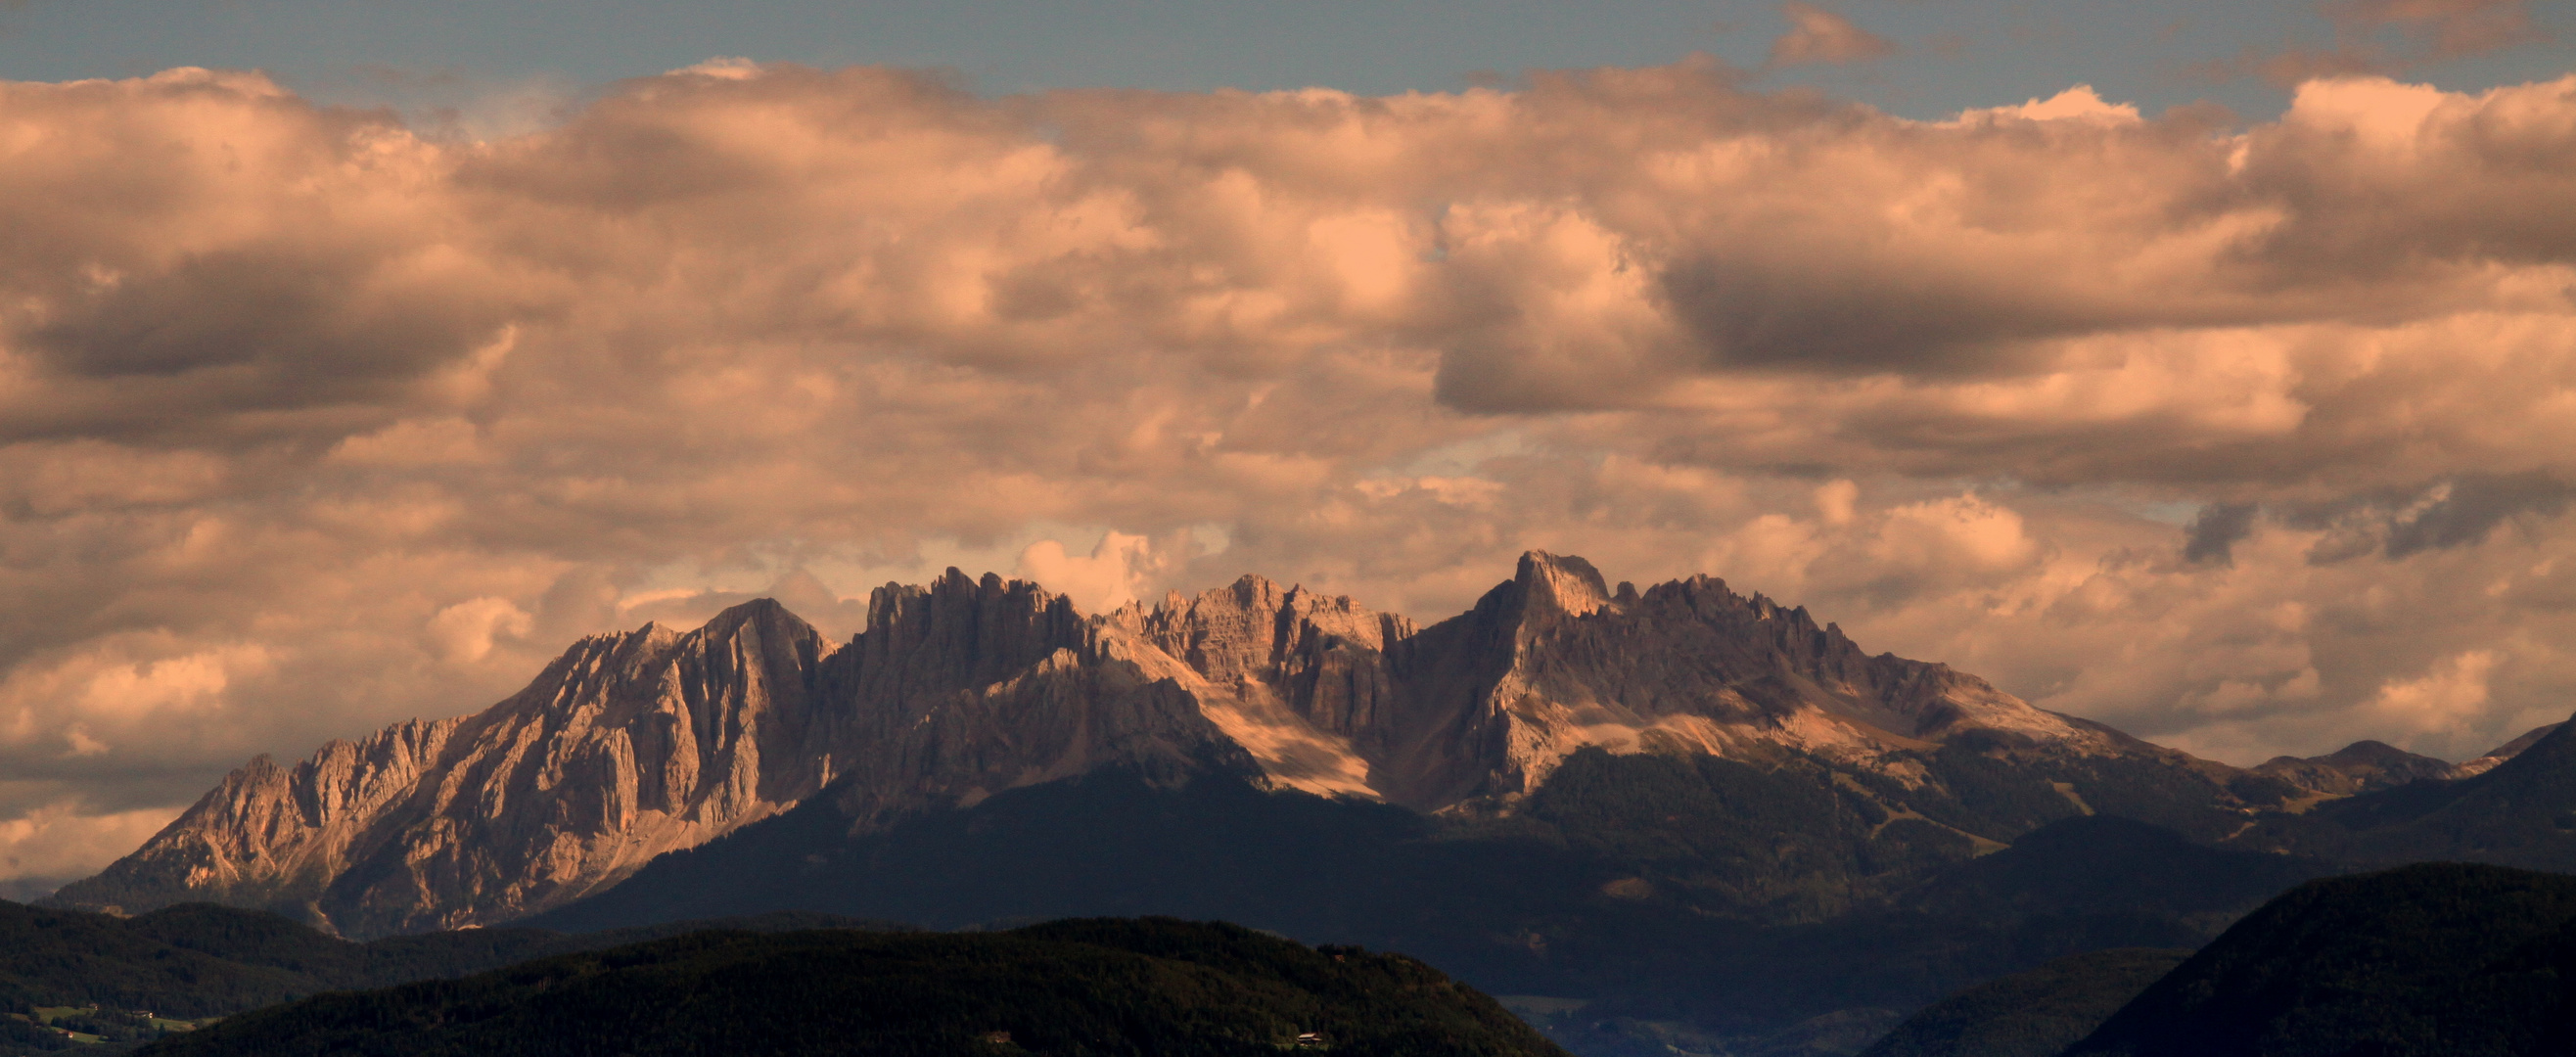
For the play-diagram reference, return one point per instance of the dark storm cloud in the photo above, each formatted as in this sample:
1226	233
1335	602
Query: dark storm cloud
2462	511
2213	534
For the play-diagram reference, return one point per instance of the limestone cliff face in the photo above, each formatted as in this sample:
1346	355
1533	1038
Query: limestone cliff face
1298	680
637	744
1555	660
966	688
626	747
632	745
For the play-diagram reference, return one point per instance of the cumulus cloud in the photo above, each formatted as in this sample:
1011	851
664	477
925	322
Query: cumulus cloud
311	420
1120	569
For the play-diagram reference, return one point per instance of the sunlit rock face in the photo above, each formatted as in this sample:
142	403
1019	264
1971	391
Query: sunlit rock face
627	746
1553	661
637	744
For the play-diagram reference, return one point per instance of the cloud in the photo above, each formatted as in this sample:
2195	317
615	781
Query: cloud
1817	35
2448	28
2456	690
2212	536
465	632
2389	37
59	843
1118	571
311	420
2462	511
2455	511
2079	103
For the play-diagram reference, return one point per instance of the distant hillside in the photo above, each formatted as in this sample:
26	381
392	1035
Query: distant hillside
1101	987
2361	767
2515	806
2439	959
2030	1014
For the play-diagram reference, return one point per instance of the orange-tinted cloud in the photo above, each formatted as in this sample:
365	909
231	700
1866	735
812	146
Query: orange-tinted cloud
2389	37
309	421
2447	28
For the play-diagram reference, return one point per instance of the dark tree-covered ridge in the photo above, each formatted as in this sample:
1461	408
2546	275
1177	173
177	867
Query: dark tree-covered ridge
197	960
1104	987
2030	1014
2435	959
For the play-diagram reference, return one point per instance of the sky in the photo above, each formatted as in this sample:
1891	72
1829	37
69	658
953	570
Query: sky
2210	373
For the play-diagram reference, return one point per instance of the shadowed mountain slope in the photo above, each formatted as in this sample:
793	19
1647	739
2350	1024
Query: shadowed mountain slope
2519	812
2105	864
2035	1013
1674	918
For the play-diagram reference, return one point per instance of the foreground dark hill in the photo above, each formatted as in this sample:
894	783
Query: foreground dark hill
1155	987
2030	1014
197	960
2439	959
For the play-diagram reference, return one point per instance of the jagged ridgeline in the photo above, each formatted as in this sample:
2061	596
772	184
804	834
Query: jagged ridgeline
1873	769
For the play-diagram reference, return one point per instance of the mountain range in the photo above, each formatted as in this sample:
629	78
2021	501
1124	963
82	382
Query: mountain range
1678	817
633	745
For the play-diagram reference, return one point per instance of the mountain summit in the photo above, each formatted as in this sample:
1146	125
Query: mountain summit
633	745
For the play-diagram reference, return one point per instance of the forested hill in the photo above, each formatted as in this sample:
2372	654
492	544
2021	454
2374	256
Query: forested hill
197	960
2446	959
2030	1014
1087	988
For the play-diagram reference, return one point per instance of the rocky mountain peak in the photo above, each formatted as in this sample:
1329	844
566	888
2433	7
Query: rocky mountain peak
1551	585
959	632
1254	630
